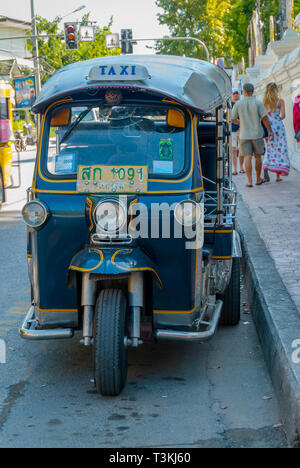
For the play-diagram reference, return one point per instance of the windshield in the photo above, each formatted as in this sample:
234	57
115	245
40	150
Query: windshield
118	135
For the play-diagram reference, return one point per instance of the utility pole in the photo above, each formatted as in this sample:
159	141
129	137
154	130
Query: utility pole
35	50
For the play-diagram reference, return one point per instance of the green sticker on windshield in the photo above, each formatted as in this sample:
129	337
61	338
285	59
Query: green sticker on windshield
166	150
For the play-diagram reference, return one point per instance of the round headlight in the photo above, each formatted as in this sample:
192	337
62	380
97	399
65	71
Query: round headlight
110	216
188	213
34	214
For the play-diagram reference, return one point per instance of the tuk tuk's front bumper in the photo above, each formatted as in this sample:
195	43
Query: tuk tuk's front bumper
195	337
28	331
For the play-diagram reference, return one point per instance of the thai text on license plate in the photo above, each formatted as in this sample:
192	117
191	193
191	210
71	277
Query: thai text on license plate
112	179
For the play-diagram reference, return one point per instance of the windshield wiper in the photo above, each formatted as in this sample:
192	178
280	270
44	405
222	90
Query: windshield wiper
75	123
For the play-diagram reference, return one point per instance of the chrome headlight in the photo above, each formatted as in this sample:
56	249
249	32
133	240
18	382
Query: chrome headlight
187	213
35	214
110	216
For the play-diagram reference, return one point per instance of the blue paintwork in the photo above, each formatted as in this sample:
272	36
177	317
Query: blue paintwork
108	261
64	242
197	84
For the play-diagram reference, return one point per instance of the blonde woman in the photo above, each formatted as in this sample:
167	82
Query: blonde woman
277	157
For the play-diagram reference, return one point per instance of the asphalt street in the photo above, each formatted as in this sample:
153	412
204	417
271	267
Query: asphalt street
178	395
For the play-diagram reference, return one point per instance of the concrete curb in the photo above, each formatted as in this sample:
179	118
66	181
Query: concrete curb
277	320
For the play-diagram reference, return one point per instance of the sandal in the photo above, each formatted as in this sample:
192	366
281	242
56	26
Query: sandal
278	180
249	185
261	182
242	172
234	173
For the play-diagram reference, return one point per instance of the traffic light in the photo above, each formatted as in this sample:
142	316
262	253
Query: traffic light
126	40
71	36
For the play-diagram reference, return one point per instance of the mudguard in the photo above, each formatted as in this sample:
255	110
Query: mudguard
113	262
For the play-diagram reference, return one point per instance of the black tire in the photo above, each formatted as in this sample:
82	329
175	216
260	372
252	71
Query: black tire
110	352
231	313
2	190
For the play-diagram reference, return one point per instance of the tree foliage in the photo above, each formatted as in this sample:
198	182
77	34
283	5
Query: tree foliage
52	52
200	19
221	24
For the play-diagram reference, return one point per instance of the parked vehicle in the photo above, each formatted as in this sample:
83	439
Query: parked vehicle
6	138
131	216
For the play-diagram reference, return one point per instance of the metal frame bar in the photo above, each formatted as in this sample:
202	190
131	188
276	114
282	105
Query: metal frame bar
220	163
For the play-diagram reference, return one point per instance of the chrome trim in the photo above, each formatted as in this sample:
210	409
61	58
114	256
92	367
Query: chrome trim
38	335
46	213
237	245
220	164
176	335
120	230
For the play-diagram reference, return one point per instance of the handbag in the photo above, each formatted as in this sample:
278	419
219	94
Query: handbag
297	136
266	133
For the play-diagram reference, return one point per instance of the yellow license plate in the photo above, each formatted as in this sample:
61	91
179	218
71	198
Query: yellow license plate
112	179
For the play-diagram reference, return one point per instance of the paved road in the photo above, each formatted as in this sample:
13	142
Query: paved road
178	395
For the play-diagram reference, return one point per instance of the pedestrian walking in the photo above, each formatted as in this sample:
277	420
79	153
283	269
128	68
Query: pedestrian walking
297	118
249	113
277	156
236	138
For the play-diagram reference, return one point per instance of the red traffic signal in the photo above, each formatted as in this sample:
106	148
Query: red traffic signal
71	36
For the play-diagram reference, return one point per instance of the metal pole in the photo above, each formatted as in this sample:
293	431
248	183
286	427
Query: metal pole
220	164
35	50
36	61
167	38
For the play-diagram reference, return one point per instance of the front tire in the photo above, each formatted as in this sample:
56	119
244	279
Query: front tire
231	313
110	352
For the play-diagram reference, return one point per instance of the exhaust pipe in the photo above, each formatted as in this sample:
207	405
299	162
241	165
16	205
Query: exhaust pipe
31	334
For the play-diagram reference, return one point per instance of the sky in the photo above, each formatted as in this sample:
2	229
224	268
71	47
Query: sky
138	15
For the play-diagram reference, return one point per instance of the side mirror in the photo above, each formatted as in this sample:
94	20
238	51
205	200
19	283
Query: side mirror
176	118
61	117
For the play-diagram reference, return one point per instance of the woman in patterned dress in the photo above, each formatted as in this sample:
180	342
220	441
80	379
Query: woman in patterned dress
277	157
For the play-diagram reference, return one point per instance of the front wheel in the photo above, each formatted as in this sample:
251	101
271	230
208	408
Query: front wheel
110	352
231	313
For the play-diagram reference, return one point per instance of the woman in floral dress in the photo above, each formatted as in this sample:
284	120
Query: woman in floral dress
277	157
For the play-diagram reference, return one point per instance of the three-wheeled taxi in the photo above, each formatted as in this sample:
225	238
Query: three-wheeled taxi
131	215
6	137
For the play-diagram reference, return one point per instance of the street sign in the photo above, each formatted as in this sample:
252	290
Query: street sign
126	40
220	62
112	41
25	92
87	33
118	73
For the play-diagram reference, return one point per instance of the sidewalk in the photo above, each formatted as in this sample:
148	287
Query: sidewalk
275	210
269	223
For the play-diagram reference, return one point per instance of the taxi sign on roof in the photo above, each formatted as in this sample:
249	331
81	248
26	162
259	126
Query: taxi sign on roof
117	72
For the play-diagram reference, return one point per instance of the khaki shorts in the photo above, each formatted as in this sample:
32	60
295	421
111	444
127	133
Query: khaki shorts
235	139
251	147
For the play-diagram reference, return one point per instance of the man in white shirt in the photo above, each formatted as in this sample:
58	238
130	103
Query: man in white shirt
249	113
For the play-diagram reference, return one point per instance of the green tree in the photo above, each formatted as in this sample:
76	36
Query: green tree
236	23
200	19
221	24
53	54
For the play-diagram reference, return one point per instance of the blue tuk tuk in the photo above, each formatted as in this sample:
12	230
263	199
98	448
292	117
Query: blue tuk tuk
131	214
